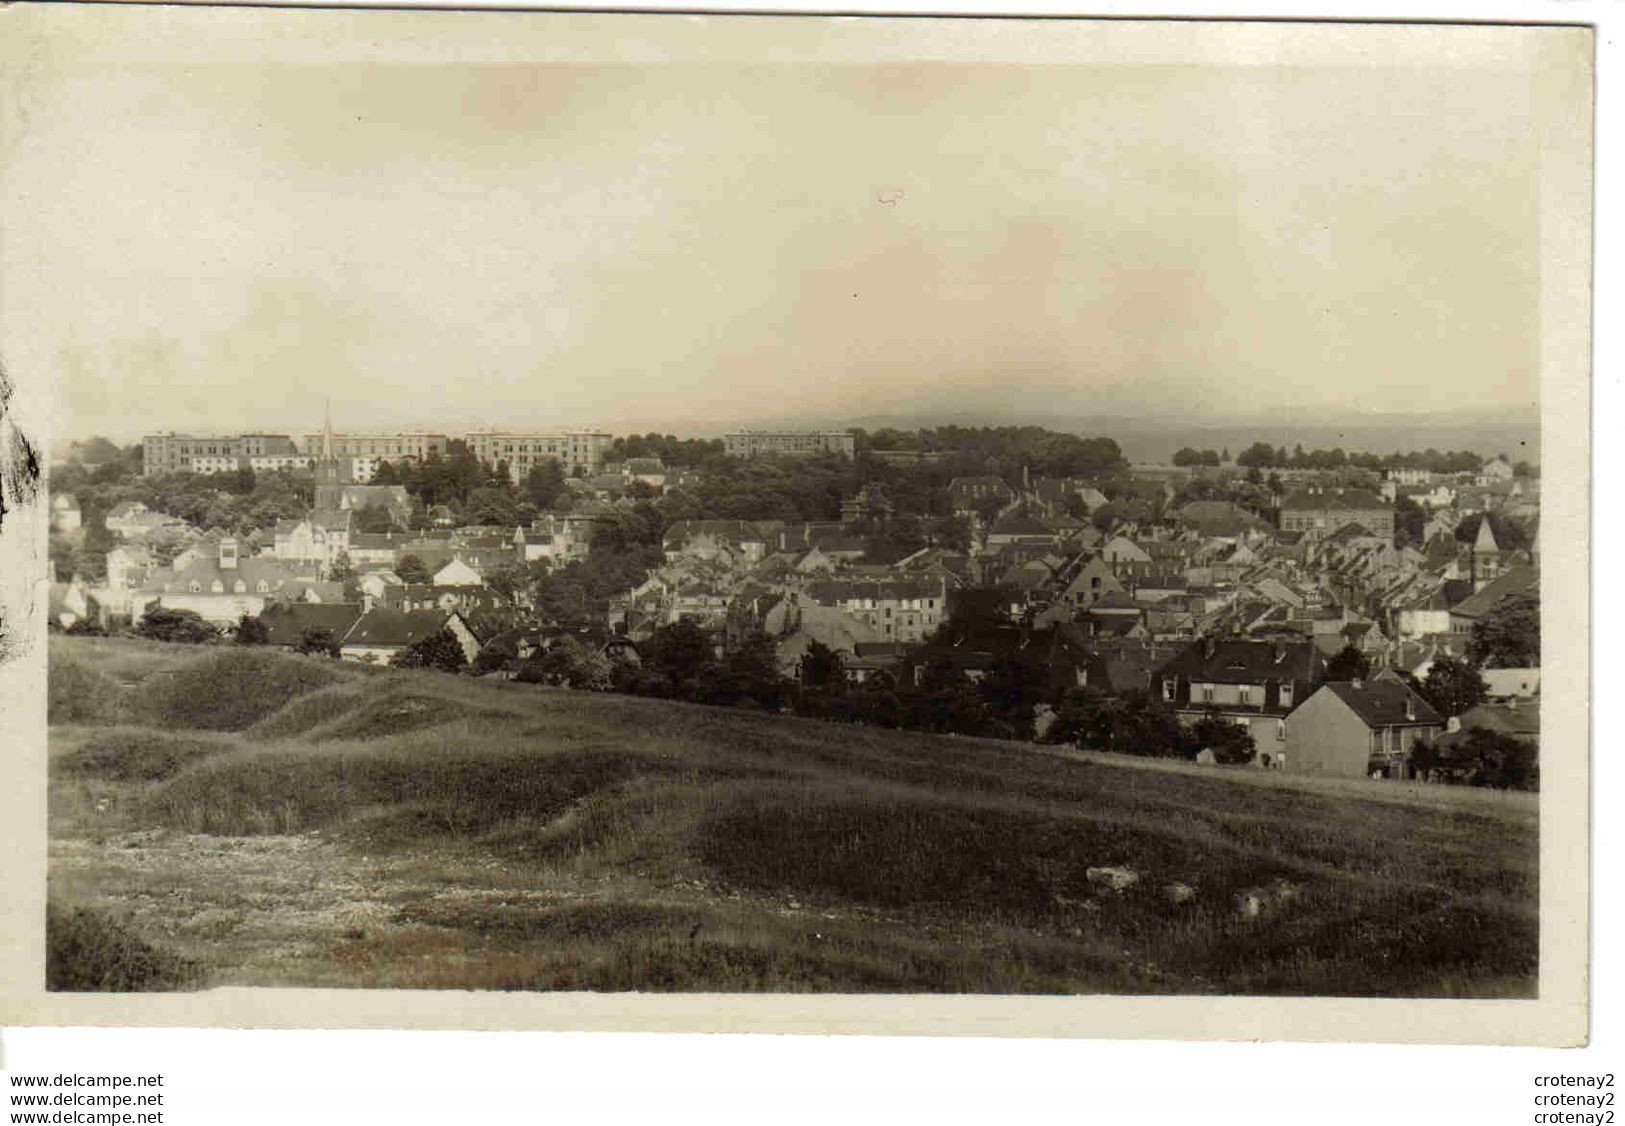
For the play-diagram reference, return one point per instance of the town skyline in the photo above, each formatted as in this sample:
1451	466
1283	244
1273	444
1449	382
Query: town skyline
1144	438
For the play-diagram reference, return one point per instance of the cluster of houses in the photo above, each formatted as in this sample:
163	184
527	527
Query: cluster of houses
1214	608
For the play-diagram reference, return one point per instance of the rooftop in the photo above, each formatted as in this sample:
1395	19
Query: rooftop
1383	703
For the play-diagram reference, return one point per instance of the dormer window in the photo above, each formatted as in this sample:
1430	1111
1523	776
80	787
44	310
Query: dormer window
1168	686
1286	694
194	586
240	587
217	586
262	586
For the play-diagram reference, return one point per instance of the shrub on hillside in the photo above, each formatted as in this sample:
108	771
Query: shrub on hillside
492	659
185	627
569	663
252	631
1132	725
441	651
316	642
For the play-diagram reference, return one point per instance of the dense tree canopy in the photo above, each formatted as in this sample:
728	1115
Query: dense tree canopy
1509	635
675	452
1453	686
1348	664
1481	757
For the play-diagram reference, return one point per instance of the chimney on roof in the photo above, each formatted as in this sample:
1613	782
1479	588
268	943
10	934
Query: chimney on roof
1410	706
1356	683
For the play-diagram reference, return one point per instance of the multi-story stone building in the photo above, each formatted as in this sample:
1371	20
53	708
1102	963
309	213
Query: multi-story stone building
191	453
908	609
366	451
272	463
790	443
580	452
1325	509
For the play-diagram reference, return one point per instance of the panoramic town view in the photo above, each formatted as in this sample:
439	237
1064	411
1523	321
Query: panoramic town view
942	524
961	709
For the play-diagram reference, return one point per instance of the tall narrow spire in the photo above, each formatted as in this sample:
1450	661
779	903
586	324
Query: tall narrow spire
327	431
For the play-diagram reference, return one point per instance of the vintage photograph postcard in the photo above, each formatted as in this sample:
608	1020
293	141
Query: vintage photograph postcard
802	524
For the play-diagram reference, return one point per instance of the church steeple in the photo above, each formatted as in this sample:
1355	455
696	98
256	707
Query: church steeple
1486	556
328	492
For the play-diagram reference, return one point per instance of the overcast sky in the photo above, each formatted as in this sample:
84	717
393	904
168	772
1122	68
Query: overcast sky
686	245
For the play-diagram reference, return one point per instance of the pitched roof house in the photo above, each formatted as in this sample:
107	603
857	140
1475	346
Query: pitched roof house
457	573
378	635
1252	683
1219	518
1359	728
287	622
221	588
1515	582
967	494
1521	721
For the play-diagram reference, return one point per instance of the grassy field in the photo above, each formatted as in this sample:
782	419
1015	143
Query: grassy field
248	817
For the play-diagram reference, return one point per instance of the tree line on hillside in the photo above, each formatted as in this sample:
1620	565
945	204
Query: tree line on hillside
674	452
1187	456
1004	450
1013	698
1262	455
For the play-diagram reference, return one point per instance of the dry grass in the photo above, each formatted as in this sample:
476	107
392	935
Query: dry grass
88	952
448	833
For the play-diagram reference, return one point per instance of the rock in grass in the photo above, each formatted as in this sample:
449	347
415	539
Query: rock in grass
1113	879
1177	893
1254	902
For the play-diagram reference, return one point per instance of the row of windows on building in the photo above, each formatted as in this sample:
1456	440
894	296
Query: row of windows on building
238	587
1243	695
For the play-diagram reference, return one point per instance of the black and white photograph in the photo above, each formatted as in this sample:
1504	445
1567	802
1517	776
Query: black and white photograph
632	504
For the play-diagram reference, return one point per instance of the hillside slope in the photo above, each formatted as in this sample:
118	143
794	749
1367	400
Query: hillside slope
273	819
